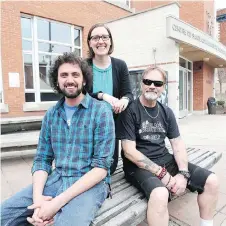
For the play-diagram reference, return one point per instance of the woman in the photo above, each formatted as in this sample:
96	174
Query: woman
110	75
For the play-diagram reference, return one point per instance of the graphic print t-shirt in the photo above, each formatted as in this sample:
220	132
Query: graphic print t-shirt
149	133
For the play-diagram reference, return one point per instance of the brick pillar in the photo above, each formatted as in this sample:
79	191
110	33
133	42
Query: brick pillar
198	86
203	81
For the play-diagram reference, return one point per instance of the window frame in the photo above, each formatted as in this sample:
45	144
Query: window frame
35	53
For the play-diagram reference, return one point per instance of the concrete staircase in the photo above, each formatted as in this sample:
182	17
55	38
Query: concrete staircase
19	136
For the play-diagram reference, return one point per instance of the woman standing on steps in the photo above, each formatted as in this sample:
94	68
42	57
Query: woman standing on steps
110	75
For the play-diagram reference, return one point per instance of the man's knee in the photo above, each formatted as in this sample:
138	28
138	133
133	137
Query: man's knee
212	184
159	197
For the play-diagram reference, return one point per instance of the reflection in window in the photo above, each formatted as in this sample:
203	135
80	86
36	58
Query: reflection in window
53	48
26	45
182	62
50	96
76	37
28	71
43	29
77	52
52	31
52	39
26	27
29	97
135	78
45	62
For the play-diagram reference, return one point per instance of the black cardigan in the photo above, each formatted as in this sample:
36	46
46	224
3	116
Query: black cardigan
121	80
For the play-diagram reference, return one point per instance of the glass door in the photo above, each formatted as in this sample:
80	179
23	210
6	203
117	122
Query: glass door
183	93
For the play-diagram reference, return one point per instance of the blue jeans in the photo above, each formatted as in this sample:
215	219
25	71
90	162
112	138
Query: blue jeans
80	211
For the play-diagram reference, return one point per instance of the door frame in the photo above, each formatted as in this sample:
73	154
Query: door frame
186	70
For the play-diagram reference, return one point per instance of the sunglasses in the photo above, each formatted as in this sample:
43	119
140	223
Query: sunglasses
148	82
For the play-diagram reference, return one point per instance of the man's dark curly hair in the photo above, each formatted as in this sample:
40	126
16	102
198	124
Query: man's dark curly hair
70	58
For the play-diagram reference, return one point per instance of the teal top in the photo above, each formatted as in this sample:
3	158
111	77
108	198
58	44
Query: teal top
102	80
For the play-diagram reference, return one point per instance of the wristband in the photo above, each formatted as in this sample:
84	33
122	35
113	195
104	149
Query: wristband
127	98
162	173
101	97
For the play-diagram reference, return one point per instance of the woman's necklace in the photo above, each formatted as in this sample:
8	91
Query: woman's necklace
149	114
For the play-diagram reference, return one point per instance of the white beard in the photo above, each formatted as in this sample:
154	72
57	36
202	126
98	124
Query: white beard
150	96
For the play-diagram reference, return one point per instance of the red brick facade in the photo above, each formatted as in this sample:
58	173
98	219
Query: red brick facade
198	16
222	27
82	14
203	79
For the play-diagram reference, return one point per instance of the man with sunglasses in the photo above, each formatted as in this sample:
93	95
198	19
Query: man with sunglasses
148	165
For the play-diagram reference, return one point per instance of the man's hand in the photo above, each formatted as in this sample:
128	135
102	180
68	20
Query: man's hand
47	209
38	202
44	223
169	182
120	105
180	186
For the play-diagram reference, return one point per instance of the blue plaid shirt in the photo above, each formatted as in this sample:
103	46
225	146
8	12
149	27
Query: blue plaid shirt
87	143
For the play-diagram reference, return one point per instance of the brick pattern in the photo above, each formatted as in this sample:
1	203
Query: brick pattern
203	78
222	27
208	83
140	5
81	13
221	11
223	32
198	86
196	17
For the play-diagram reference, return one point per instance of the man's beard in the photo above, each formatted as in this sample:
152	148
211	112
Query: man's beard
150	96
71	95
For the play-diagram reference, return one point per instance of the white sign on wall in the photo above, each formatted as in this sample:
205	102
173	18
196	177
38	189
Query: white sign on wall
14	79
186	33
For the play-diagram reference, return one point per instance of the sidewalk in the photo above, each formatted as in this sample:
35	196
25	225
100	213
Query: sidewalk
208	131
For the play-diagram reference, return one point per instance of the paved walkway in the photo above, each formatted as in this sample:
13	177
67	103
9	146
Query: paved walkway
207	131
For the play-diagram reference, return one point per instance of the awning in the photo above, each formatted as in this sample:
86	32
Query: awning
194	44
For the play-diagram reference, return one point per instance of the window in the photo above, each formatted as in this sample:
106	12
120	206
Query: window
42	41
135	80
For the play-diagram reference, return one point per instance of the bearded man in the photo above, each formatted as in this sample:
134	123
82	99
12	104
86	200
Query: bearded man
78	134
148	165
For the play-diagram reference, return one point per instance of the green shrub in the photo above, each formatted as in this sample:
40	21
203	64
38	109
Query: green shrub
221	103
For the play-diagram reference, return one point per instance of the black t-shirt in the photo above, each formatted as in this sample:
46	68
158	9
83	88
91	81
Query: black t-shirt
149	132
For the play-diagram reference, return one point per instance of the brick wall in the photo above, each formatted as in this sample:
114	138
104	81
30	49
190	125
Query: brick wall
222	27
140	5
203	78
83	14
221	11
208	83
198	86
193	12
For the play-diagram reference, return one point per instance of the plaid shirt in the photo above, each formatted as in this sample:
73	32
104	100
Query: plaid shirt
87	143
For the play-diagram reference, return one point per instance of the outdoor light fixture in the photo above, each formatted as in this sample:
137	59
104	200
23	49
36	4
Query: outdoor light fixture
206	59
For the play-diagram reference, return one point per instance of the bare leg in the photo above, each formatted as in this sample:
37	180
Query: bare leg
208	199
157	212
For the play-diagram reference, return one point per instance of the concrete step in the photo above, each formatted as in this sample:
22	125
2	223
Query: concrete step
17	154
12	125
20	141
